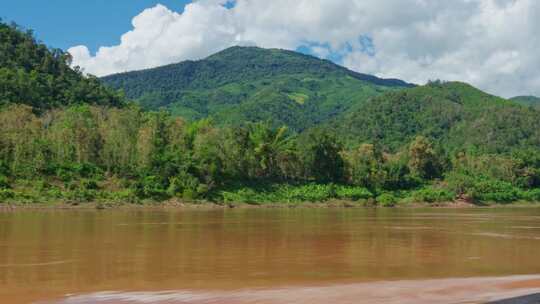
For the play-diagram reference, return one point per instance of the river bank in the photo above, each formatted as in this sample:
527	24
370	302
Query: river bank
206	205
108	194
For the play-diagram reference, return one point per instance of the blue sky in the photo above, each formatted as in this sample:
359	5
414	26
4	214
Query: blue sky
65	23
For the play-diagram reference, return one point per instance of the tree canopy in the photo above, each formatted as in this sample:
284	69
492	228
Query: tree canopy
33	74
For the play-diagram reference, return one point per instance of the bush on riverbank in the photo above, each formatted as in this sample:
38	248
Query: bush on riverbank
432	195
386	200
258	195
284	193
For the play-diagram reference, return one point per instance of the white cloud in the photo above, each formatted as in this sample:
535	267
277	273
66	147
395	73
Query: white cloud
490	43
161	36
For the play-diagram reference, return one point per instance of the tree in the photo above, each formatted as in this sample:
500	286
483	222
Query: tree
266	144
119	130
365	166
322	157
21	140
423	160
74	135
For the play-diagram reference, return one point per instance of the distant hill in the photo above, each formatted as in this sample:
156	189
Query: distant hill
243	84
527	100
33	74
454	114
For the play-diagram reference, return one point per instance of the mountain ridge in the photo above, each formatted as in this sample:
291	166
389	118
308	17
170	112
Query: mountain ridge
249	84
528	100
223	55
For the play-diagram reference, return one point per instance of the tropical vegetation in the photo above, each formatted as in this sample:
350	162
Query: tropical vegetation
33	74
357	138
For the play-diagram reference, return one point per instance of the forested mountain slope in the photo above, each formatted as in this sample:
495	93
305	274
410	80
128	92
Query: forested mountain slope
243	84
527	100
454	114
33	74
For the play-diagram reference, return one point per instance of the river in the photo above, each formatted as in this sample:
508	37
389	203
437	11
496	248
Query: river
269	255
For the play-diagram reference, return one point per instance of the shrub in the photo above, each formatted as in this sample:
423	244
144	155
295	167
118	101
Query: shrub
532	195
494	191
309	193
88	184
4	168
150	187
40	185
398	176
81	195
386	200
124	196
87	170
4	182
65	175
292	193
353	193
244	195
70	172
460	183
6	194
54	192
482	188
186	186
432	195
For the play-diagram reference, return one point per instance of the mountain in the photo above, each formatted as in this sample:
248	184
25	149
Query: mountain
454	114
33	74
527	100
243	84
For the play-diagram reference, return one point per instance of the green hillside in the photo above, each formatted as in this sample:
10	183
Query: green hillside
527	100
243	84
33	74
456	115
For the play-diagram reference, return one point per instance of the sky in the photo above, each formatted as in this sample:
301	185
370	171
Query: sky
492	44
65	23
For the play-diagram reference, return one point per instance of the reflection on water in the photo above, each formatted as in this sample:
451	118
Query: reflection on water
46	255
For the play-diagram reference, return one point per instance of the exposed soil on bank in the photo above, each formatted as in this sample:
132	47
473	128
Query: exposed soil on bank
205	205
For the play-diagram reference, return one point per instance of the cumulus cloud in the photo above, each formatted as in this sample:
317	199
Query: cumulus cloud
490	43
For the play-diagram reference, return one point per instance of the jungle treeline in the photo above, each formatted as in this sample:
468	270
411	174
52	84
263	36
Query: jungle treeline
92	153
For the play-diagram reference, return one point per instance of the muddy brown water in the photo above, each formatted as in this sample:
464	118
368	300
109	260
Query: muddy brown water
269	256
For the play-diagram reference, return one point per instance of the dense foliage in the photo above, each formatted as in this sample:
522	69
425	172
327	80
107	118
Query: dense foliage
243	84
32	74
527	100
88	153
456	116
